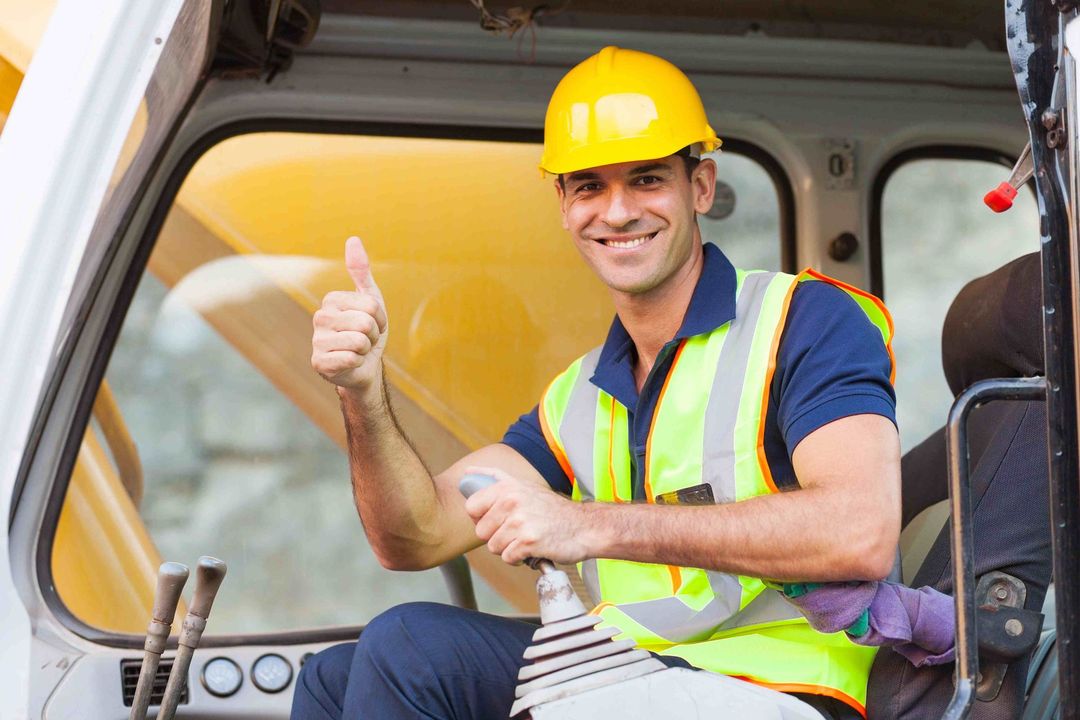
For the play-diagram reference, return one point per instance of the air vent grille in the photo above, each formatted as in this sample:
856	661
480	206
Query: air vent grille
129	680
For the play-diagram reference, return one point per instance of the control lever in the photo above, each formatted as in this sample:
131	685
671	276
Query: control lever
569	655
473	483
1001	198
208	576
170	582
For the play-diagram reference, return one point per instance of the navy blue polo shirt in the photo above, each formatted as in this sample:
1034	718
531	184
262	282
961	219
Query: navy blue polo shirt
831	363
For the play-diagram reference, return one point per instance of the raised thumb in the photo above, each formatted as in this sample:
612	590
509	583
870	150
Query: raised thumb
358	265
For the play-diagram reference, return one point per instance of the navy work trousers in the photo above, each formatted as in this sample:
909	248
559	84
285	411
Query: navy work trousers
426	660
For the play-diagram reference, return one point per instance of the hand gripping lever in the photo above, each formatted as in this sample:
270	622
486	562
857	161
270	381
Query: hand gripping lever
171	579
568	654
208	576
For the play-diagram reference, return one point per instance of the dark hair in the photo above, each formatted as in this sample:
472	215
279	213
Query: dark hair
689	162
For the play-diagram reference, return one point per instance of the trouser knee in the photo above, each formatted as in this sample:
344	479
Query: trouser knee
320	684
395	632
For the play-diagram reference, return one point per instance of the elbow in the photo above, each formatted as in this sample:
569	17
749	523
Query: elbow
398	561
406	554
870	546
871	558
879	566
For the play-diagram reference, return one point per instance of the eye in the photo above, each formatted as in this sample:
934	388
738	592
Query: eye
587	187
648	180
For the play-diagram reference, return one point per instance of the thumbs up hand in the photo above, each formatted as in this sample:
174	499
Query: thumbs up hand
351	327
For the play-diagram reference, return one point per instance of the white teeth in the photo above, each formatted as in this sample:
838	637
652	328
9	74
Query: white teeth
628	243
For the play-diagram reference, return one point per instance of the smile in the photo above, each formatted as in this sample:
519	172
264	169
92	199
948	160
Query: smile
628	243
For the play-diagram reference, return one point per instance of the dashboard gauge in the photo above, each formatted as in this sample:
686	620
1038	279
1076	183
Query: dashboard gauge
222	677
271	673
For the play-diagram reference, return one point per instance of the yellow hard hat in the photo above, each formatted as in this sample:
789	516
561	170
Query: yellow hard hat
620	106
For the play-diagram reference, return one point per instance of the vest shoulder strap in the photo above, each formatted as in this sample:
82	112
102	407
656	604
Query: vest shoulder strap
555	401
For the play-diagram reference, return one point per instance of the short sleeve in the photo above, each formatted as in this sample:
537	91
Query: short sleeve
831	364
527	438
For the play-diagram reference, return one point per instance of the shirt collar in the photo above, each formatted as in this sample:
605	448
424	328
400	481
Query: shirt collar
711	306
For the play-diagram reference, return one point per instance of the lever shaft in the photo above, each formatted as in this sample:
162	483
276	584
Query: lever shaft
208	576
170	582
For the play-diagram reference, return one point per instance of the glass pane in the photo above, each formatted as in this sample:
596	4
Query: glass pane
240	444
936	236
750	234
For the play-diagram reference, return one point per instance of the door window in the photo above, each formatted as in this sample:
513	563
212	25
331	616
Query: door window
936	236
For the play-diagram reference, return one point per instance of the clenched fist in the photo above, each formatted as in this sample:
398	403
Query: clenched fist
351	327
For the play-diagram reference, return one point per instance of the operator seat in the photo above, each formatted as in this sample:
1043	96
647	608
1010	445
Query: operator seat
992	330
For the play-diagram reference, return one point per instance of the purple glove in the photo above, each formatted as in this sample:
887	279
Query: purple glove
917	623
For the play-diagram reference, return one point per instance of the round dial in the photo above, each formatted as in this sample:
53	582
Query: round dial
271	673
222	677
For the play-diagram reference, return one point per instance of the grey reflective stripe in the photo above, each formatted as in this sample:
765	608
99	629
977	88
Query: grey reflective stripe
578	428
726	585
718	453
591	577
768	607
673	620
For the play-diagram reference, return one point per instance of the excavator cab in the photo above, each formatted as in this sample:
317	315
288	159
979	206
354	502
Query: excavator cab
177	179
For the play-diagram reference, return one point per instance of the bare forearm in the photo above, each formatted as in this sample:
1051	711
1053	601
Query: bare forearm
806	535
394	493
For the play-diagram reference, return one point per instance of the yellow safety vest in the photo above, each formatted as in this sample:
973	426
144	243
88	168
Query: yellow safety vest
708	428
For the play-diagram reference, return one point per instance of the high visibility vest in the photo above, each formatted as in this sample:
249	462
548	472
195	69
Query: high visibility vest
708	428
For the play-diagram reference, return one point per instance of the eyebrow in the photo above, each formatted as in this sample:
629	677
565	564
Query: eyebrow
579	176
649	168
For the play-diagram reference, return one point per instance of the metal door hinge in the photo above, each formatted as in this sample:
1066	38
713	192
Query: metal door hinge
1054	122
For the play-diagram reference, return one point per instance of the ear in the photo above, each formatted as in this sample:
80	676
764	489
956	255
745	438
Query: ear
703	185
562	202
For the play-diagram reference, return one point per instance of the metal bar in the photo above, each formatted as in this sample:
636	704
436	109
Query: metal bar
459	584
962	542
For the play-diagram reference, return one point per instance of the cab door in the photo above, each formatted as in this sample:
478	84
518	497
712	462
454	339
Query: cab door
105	91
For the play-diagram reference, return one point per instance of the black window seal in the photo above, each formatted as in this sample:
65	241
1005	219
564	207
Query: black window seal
133	274
881	180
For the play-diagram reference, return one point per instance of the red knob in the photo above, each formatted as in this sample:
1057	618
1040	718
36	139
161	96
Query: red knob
1000	198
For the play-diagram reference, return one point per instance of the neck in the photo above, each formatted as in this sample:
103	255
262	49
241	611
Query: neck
652	318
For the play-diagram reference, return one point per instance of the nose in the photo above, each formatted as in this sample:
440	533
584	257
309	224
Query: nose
621	210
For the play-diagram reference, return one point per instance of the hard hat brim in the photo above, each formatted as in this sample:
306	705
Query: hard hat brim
622	150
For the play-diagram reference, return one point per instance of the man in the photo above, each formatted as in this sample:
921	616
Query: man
715	391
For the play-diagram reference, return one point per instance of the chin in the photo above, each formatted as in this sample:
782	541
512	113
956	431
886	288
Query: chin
630	285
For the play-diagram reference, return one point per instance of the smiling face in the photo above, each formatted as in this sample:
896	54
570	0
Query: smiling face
635	223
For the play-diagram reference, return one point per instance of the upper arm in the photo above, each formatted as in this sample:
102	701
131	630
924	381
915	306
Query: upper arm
836	412
852	467
857	455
